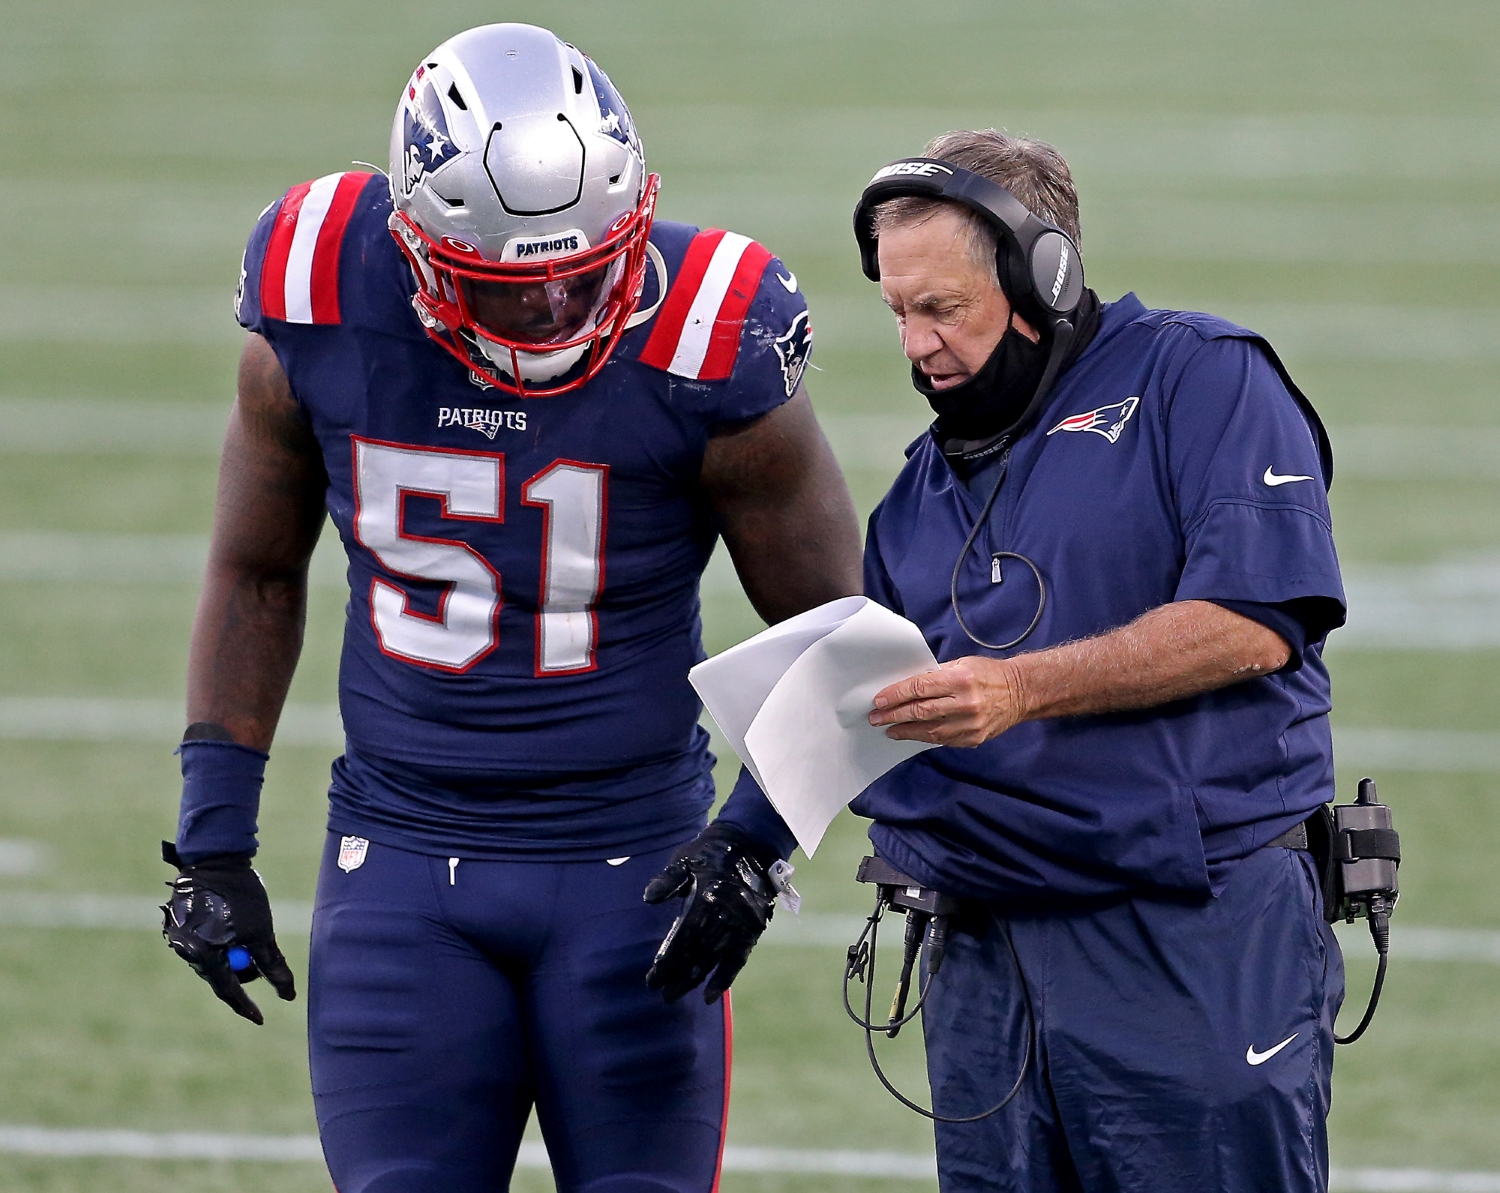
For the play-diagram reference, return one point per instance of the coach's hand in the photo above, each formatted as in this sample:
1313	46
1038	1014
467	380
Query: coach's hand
218	920
963	703
727	902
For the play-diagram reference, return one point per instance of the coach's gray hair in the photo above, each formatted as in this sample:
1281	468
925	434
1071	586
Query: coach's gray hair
1033	171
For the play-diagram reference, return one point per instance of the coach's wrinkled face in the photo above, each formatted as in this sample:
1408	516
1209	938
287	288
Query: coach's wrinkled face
949	309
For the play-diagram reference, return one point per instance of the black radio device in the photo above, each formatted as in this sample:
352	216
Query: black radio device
1359	852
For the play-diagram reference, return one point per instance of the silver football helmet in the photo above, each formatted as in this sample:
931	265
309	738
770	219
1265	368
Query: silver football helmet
523	204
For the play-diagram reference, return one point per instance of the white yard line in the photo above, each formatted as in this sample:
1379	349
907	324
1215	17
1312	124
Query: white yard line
104	718
1301	332
812	929
65	557
111	427
861	441
878	441
1452	605
72	1143
69	718
144	1145
1411	1180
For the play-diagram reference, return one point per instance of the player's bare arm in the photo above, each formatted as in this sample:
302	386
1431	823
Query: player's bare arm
1170	653
248	630
784	511
789	524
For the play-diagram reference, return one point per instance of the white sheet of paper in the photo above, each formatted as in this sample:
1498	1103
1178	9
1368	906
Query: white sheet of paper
794	702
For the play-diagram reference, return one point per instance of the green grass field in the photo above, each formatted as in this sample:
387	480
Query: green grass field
1328	173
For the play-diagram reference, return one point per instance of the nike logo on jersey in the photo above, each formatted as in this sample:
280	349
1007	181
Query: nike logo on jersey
1259	1058
1108	421
1273	480
790	281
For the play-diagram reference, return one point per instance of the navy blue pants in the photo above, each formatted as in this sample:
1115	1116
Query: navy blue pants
1178	1049
445	1001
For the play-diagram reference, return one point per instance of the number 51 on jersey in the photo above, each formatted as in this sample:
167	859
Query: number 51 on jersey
471	487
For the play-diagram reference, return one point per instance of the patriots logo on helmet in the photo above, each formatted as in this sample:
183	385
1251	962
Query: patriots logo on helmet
1108	421
793	349
614	116
425	128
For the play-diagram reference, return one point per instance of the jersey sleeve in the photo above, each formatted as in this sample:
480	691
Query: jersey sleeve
1248	478
247	304
291	268
735	320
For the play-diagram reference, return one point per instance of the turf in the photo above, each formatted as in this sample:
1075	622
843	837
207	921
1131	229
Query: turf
1275	161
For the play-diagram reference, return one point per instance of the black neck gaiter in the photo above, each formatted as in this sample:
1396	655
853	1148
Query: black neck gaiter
975	413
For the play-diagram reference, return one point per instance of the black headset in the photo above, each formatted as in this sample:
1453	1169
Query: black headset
1037	262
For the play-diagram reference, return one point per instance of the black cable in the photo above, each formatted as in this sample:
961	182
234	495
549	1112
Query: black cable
858	954
857	960
1062	338
1380	931
963	554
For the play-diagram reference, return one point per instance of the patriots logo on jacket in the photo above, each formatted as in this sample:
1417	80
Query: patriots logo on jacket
425	130
793	349
1108	421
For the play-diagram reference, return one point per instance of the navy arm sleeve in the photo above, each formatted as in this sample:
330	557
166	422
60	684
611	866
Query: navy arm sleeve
1250	490
748	809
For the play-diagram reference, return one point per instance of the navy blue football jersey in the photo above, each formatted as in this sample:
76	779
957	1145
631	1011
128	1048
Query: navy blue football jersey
1174	461
523	572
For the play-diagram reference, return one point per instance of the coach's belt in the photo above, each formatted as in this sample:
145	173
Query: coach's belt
1293	838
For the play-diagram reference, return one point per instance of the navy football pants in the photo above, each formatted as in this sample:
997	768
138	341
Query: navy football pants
440	1012
1179	1049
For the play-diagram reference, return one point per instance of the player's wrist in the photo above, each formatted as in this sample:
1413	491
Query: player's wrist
205	863
221	784
764	853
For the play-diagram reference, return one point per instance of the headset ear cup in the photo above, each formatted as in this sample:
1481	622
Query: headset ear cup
1056	273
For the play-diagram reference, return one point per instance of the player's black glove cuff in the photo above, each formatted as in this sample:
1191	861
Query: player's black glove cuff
728	897
218	920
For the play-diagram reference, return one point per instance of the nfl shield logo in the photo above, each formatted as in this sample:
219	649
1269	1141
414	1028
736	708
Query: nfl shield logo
352	852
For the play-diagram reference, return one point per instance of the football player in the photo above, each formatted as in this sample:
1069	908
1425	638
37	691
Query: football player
530	410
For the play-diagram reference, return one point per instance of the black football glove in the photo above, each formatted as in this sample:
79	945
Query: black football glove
728	896
218	920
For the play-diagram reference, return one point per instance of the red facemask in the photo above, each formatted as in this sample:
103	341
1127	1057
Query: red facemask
478	310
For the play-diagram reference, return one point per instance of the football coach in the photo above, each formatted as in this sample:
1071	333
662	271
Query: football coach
1116	538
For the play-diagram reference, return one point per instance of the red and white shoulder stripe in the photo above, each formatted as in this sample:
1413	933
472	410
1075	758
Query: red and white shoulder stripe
299	275
697	330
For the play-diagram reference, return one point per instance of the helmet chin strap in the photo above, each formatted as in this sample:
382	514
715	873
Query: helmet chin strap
658	263
534	366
